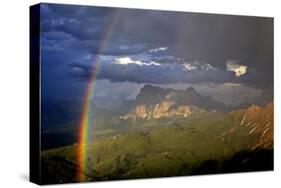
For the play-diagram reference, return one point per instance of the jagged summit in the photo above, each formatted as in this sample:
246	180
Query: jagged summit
150	87
156	102
191	89
151	95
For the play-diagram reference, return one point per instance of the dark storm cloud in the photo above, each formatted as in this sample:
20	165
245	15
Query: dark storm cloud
114	48
80	22
189	37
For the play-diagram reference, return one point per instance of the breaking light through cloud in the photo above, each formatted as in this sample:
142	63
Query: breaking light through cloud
158	49
128	60
238	69
189	67
196	66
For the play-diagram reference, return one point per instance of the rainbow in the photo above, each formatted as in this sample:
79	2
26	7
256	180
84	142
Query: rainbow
85	122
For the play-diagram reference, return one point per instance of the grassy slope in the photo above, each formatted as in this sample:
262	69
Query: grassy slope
178	147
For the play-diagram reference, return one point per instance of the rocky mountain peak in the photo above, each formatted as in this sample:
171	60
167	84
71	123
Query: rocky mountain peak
156	102
191	90
150	95
149	88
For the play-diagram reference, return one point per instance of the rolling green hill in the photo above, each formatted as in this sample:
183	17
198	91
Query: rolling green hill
241	140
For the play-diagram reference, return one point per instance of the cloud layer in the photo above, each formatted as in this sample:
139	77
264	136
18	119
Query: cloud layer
238	69
158	47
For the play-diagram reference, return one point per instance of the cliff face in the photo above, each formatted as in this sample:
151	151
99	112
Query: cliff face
155	102
160	110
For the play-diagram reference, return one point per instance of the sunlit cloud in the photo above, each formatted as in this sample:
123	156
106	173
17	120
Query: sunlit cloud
128	60
238	69
158	49
189	67
197	66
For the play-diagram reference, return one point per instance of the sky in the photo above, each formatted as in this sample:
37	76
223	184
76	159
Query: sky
227	57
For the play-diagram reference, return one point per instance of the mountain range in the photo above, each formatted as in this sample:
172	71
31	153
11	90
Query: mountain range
154	102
